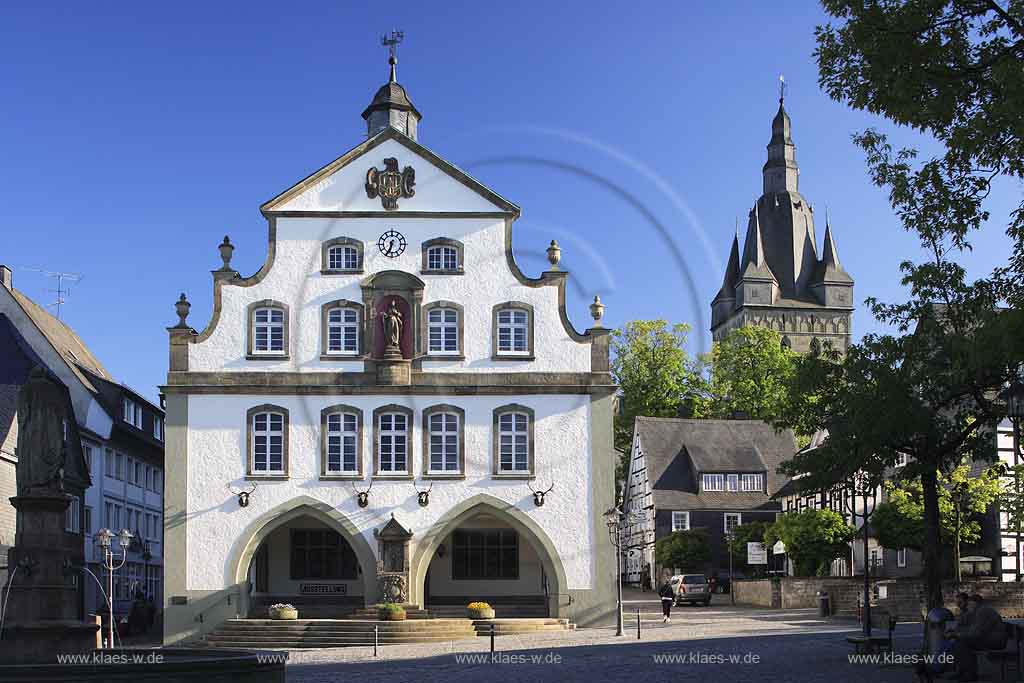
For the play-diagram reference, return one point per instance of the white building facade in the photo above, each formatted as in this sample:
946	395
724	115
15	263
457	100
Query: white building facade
388	366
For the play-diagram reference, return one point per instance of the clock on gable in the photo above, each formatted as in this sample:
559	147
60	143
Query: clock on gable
391	243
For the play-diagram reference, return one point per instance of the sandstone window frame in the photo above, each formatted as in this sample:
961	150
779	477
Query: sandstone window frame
460	312
341	243
270	354
325	434
250	440
425	426
496	351
497	472
325	330
439	244
393	408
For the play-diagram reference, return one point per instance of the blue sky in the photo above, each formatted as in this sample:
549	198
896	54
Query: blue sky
134	137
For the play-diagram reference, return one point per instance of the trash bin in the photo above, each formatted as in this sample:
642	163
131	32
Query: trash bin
935	628
824	604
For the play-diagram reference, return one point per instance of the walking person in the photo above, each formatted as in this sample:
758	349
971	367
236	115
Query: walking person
667	598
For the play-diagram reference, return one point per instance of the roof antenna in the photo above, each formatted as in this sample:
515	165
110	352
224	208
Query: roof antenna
62	291
391	43
782	88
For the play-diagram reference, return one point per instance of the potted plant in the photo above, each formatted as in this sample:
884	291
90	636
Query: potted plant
391	611
480	610
283	611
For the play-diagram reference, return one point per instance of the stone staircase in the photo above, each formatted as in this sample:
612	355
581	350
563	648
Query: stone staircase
317	633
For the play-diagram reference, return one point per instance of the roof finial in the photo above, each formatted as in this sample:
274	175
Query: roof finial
782	88
391	43
826	215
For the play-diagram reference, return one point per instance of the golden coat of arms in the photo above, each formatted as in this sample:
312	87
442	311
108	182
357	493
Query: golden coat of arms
390	184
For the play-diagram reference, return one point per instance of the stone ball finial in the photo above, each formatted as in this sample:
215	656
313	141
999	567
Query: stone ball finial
597	311
182	307
554	254
226	251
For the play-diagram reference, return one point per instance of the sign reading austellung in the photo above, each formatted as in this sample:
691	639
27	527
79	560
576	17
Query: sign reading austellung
757	553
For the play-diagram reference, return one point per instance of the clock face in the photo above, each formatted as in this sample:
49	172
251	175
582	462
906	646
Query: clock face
391	243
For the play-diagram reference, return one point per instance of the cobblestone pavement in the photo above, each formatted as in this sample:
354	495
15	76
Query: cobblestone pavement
719	643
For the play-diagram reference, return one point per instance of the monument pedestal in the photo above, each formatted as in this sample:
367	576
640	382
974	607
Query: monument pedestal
394	370
42	616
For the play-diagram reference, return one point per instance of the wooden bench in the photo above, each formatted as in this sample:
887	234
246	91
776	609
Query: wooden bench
875	644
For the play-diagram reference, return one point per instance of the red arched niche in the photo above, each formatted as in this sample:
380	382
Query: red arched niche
379	338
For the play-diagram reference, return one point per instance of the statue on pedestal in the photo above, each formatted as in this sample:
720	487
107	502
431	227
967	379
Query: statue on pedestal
41	424
393	328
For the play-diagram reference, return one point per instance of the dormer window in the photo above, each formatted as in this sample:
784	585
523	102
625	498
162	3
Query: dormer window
132	413
442	256
714	482
752	482
341	255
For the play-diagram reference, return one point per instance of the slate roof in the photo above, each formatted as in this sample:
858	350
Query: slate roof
677	451
68	344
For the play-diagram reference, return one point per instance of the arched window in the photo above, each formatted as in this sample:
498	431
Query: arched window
267	442
512	330
443	441
513	441
442	255
268	330
443	328
341	442
341	255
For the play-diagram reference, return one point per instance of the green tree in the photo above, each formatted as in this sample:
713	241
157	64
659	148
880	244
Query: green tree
654	372
751	532
687	551
749	371
950	69
813	538
899	522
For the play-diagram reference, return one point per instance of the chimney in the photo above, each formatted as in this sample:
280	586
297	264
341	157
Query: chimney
5	276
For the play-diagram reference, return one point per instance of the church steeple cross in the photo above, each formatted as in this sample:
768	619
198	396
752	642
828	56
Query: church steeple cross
782	88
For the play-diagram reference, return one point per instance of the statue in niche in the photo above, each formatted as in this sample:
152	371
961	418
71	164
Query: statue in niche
393	326
41	452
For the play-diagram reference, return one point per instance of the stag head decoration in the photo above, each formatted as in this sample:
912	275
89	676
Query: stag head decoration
243	496
362	497
538	496
423	497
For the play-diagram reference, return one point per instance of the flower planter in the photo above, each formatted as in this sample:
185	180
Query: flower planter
486	613
284	614
390	615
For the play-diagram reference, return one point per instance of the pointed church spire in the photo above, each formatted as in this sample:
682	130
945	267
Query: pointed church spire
732	271
391	106
780	172
829	253
753	245
829	268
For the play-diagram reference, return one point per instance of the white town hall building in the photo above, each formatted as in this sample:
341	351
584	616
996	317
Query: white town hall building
389	389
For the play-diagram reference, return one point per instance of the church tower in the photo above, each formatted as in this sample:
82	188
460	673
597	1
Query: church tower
780	282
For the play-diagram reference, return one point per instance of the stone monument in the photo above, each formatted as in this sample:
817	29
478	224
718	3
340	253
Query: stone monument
42	617
393	367
393	565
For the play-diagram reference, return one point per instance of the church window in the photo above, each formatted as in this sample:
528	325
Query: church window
341	255
442	255
513	430
443	441
485	554
268	440
391	444
342	442
268	330
513	330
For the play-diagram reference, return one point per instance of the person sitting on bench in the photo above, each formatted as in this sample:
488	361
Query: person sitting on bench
984	631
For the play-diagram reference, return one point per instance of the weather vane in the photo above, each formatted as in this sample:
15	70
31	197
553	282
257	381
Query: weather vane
391	43
782	87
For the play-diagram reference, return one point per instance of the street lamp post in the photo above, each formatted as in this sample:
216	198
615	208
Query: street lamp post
106	537
615	518
1013	395
860	484
729	537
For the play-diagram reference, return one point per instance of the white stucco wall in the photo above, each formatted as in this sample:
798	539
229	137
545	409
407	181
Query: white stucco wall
216	447
344	191
295	280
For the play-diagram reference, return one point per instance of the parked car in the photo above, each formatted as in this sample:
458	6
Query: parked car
691	588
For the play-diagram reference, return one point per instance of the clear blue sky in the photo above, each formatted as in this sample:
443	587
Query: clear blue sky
135	136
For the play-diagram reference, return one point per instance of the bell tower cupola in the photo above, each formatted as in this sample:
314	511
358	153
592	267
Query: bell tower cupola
391	106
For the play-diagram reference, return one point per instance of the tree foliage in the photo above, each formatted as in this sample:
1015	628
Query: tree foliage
951	69
654	371
751	532
748	372
813	538
687	551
